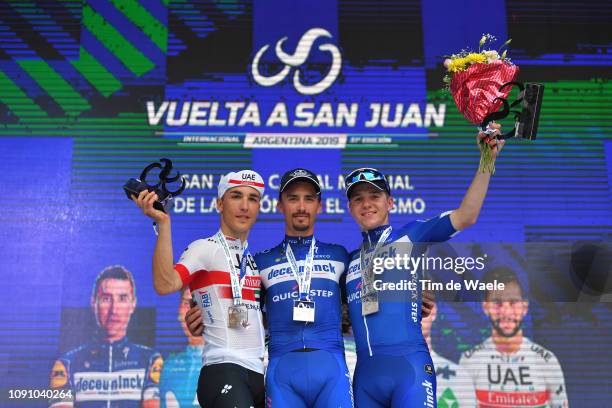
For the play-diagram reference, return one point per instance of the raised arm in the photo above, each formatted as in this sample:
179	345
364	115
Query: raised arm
467	213
165	279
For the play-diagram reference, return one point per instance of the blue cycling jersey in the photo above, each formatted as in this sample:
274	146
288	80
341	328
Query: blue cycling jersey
111	375
396	328
317	377
179	378
281	289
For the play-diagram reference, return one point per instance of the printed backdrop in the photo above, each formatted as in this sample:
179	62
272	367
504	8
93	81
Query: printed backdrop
92	91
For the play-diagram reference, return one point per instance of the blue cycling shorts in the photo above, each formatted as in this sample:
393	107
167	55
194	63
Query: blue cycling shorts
387	381
313	379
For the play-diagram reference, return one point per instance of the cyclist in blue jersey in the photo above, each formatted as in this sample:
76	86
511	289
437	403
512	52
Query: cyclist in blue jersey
179	377
301	280
394	367
110	371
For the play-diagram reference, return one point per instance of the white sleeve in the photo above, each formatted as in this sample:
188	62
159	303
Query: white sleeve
555	383
193	259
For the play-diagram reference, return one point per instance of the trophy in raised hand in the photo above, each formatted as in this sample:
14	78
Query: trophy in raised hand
133	186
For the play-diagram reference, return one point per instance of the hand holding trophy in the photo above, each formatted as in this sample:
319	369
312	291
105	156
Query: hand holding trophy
480	83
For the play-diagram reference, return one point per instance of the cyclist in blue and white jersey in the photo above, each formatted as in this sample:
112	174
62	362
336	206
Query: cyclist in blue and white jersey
394	367
301	282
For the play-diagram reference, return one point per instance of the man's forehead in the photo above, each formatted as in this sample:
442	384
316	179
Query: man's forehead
114	285
246	190
511	292
365	188
300	187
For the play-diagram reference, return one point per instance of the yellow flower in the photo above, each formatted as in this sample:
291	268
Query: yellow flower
474	58
461	64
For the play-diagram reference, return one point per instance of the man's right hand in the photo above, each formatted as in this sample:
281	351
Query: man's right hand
193	319
145	202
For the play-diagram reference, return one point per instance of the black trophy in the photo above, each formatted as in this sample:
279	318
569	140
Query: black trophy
529	100
133	187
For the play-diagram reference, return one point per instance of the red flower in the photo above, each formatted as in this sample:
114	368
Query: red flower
475	88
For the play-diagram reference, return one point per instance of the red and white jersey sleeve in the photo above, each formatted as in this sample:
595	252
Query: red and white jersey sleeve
193	260
204	267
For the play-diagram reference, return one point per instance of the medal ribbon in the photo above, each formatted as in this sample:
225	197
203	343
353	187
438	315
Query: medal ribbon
236	274
365	265
303	279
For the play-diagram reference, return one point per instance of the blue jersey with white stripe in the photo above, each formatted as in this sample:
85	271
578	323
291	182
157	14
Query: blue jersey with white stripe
396	327
281	290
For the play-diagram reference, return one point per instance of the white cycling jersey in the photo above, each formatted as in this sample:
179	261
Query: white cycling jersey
530	377
204	267
454	386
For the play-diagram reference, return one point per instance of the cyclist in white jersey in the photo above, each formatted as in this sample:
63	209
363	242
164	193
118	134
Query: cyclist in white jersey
454	387
225	282
508	369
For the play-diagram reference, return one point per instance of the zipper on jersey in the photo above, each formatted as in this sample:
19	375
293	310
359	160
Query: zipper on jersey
365	322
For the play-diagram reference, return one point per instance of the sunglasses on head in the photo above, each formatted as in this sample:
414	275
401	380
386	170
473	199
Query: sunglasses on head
364	174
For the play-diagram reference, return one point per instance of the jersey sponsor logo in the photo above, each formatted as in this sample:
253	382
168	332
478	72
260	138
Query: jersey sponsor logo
328	267
252	282
355	295
497	375
156	369
101	386
470	353
390	251
294	295
448	399
59	375
511	399
353	268
429	394
445	372
206	302
542	352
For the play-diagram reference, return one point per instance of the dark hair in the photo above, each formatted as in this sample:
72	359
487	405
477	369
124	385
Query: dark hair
113	272
501	274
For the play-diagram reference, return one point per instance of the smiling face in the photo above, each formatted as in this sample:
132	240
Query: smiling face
370	206
506	309
113	305
239	207
300	205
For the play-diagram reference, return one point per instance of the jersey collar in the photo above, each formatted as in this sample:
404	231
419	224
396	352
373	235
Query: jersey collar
100	339
370	237
297	241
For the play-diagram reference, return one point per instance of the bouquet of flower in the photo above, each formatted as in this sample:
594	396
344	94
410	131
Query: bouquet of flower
476	80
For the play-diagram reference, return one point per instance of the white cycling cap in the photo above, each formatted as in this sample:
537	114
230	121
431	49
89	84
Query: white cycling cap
247	178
